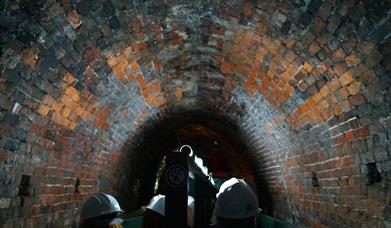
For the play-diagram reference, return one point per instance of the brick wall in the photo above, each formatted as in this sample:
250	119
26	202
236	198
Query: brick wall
304	85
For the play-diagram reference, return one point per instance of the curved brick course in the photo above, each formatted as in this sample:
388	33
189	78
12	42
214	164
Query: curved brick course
304	85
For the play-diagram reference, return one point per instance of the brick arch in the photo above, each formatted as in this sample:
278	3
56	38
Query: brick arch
308	80
141	155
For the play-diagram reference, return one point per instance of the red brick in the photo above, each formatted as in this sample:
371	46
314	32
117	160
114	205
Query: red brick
154	87
326	115
119	71
141	81
338	55
220	43
74	19
343	92
324	104
366	46
352	60
339	69
138	46
337	110
238	36
4	155
346	78
334	85
354	88
369	77
116	59
349	135
313	48
248	8
288	91
218	58
69	79
48	100
226	68
218	30
345	105
307	67
317	97
290	56
72	125
91	53
325	91
67	101
30	56
363	132
72	92
332	99
250	86
66	111
43	110
238	69
356	100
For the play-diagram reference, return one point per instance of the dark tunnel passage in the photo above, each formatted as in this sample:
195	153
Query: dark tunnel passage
214	138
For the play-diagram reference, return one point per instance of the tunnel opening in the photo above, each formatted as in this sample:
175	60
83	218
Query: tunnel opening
216	139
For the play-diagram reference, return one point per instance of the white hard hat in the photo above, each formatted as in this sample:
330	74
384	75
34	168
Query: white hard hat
158	202
236	200
190	211
98	205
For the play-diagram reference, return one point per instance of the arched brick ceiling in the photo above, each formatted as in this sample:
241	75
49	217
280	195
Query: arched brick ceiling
306	83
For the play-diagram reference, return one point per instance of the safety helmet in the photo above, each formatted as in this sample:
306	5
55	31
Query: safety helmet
236	200
158	202
190	211
101	206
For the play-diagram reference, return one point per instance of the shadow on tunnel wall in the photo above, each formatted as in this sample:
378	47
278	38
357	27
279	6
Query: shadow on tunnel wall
141	155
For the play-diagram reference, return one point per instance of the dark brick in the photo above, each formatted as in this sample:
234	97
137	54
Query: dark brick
386	62
10	145
12	77
19	134
114	23
333	24
11	119
5	103
321	82
373	175
306	18
266	62
314	6
107	9
333	44
50	61
79	86
285	28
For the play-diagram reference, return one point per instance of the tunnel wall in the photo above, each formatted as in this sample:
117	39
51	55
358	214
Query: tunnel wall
306	82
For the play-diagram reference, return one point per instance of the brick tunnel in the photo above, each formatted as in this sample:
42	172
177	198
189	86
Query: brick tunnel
291	95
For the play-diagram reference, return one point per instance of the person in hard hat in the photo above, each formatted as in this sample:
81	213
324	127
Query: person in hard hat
100	210
236	205
155	212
